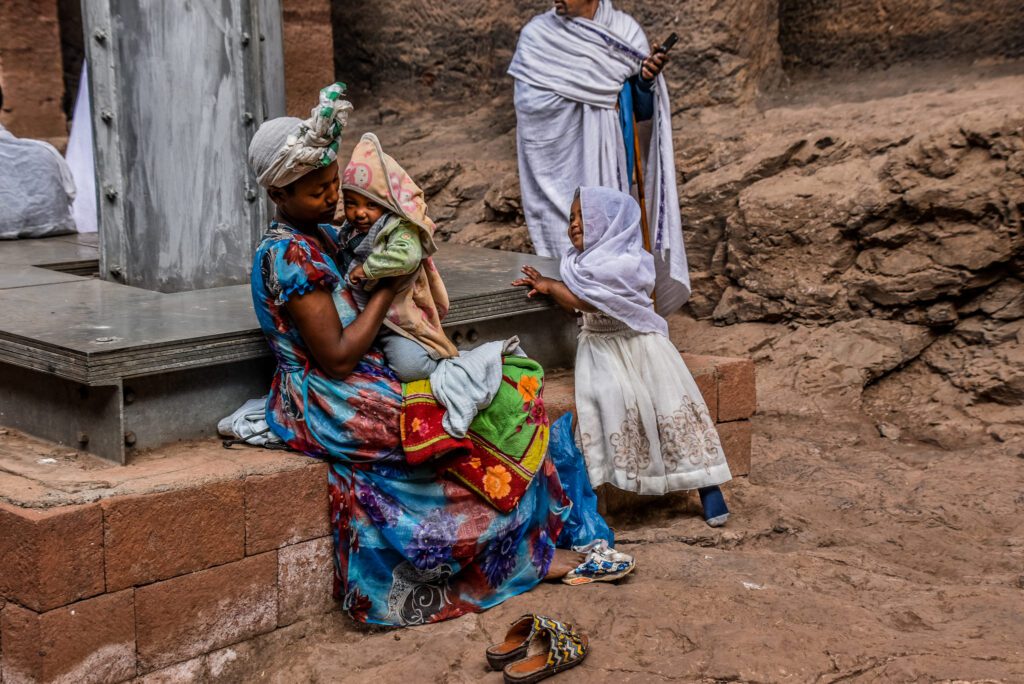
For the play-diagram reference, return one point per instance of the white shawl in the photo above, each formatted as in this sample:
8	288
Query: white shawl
613	272
569	73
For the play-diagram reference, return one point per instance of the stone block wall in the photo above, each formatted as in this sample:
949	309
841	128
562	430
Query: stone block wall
308	52
31	72
131	585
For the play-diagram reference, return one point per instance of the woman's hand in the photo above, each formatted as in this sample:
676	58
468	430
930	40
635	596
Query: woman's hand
336	348
537	283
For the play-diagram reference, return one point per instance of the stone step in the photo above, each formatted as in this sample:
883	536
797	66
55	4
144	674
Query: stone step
97	580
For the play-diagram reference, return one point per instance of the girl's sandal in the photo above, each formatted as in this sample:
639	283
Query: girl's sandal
517	640
561	647
602	564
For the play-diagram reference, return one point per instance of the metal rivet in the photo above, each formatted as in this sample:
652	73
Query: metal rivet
129	396
107	116
110	193
117	272
100	36
83	438
247	118
472	335
129	438
250	195
457	338
262	37
245	39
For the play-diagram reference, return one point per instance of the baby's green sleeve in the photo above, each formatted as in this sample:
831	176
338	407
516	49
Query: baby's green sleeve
401	255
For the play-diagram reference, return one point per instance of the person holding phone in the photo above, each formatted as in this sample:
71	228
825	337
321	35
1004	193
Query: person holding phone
585	74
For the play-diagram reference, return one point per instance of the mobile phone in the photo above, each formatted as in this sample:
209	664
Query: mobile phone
669	42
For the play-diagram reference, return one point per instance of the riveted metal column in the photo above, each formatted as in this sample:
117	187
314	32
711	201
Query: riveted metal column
101	52
179	89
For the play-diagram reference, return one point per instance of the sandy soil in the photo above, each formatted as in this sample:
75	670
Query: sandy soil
849	558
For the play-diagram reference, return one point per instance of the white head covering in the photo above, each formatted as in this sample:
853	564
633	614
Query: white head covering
286	149
613	273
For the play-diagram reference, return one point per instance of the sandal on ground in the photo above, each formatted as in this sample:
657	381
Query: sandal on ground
554	647
601	564
713	504
517	639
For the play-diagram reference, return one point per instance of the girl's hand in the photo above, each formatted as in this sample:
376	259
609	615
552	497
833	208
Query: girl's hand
537	283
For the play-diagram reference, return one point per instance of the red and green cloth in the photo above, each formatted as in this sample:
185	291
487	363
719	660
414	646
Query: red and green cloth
505	444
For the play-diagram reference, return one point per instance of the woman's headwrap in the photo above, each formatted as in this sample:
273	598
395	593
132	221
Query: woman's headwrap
380	178
613	273
287	148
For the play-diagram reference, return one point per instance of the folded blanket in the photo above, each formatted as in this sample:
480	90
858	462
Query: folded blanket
466	384
505	444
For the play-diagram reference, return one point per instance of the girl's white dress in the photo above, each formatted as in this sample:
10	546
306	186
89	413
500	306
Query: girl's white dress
642	423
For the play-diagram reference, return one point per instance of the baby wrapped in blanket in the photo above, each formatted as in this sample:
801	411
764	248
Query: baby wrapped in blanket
387	233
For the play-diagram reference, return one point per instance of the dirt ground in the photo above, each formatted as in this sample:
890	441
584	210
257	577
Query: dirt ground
849	557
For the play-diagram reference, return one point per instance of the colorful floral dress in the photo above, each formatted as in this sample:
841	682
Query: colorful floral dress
410	547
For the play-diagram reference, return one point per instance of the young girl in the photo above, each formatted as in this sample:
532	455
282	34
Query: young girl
387	233
642	424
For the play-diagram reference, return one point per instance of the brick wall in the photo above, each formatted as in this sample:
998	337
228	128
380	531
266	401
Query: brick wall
111	590
31	71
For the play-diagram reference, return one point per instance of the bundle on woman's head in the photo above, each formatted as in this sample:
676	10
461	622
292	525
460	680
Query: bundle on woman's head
613	272
287	148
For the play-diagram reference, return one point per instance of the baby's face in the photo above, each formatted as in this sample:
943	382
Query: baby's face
576	224
360	211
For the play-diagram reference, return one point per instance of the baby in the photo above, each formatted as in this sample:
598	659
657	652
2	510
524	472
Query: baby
387	233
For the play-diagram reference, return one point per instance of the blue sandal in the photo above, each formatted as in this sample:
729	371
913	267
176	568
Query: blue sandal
601	564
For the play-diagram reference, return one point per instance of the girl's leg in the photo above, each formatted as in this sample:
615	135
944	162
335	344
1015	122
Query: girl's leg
713	503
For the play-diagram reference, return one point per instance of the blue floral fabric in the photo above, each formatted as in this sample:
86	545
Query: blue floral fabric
410	547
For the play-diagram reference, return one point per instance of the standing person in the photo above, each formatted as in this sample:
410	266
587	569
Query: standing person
579	69
642	423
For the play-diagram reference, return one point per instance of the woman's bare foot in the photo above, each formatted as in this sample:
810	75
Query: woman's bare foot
563	562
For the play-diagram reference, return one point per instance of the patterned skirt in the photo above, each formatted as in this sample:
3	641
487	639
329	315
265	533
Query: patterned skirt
643	425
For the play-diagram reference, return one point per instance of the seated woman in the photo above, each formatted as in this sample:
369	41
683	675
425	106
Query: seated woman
410	548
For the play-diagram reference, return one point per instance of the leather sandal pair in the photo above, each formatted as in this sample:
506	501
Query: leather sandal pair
537	647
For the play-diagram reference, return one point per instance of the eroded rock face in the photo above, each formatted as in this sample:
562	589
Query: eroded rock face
728	50
908	232
862	243
903	213
867	33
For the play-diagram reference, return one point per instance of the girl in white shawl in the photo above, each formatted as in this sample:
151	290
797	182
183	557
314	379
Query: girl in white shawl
642	423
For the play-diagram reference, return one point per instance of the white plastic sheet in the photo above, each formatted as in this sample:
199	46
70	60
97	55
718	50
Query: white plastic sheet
36	189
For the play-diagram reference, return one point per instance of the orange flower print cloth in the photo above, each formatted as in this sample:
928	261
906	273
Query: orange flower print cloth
505	444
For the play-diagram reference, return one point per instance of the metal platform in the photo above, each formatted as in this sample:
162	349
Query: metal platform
110	368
